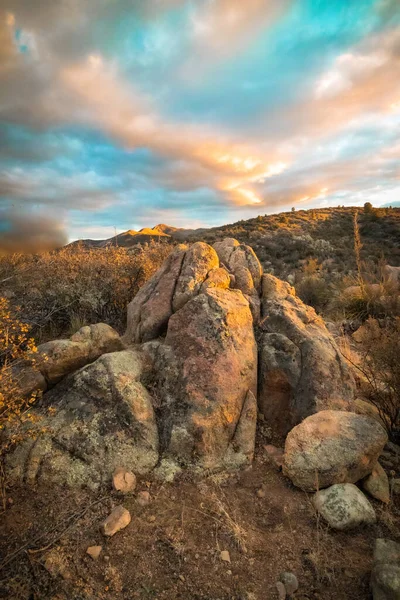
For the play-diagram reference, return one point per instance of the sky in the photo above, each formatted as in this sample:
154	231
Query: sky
121	114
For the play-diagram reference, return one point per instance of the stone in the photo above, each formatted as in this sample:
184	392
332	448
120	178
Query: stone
275	455
242	262
118	519
103	418
56	563
29	380
344	506
62	357
180	279
236	256
216	278
94	551
123	481
290	582
395	486
332	447
362	407
377	484
150	309
385	576
225	556
143	498
301	370
199	260
281	590
203	373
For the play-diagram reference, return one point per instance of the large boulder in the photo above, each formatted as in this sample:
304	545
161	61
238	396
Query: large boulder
100	418
58	358
385	576
203	373
332	447
242	262
344	506
301	370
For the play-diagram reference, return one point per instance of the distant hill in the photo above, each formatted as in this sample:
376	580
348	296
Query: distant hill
285	241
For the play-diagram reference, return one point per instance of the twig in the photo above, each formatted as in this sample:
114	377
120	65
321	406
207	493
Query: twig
74	518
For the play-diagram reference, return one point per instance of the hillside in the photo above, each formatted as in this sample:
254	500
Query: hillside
284	241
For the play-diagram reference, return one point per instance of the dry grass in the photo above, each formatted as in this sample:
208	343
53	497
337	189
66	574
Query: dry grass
60	291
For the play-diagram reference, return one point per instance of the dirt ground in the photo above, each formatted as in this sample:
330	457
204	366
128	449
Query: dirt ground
172	547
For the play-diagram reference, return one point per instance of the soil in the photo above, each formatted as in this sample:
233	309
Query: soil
172	547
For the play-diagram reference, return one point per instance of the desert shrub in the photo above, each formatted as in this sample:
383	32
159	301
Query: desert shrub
16	348
60	291
314	291
379	365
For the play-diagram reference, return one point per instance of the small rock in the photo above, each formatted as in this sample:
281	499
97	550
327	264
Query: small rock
143	498
281	590
151	519
377	484
385	576
275	455
117	520
261	493
182	578
225	556
56	564
290	582
94	551
123	481
344	506
395	486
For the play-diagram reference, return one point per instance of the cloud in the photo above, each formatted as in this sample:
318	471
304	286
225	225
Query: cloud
29	232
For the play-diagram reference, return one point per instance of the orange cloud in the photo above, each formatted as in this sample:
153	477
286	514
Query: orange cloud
103	98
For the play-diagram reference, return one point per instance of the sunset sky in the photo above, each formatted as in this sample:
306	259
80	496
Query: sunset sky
118	114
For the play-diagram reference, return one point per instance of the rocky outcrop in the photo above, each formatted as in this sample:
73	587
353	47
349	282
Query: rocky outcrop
385	576
61	357
186	273
203	372
301	370
101	418
149	311
241	261
344	506
332	447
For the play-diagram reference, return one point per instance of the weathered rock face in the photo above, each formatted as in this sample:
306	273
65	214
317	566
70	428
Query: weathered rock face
332	447
203	373
181	278
301	370
385	576
344	506
85	346
242	262
103	419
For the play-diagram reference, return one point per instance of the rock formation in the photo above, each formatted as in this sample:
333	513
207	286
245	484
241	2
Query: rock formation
301	370
180	390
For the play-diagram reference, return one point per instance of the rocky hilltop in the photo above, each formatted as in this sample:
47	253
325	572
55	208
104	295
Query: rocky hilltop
212	346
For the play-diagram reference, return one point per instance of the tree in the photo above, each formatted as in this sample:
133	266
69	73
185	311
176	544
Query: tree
368	208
